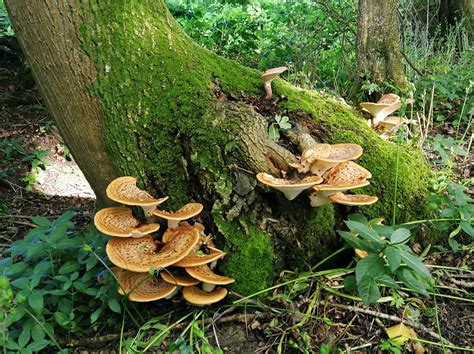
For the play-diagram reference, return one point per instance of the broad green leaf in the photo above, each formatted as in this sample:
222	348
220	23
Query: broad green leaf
364	232
415	263
358	217
467	227
386	280
410	279
36	301
114	305
37	333
453	244
25	334
61	318
383	230
357	242
95	315
14	316
369	266
393	257
41	221
350	283
368	290
65	305
69	267
37	346
400	236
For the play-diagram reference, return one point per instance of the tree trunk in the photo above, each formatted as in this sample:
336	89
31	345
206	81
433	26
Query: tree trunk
133	95
378	42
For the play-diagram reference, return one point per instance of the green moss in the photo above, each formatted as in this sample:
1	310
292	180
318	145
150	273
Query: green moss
251	260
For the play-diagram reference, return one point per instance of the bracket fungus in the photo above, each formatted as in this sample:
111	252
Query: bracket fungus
142	287
124	190
387	104
134	251
199	297
208	277
268	77
186	212
291	189
119	222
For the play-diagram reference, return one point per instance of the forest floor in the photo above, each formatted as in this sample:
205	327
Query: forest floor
49	183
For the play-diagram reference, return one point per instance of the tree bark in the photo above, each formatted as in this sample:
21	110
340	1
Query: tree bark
133	95
378	42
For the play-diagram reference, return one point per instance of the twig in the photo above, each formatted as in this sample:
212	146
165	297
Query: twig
411	64
391	318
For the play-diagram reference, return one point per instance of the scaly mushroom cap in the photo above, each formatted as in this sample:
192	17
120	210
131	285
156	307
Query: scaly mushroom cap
139	254
353	199
291	189
310	156
124	190
170	233
346	172
204	274
142	287
270	74
339	153
196	296
176	278
380	111
120	222
197	257
389	98
186	212
392	122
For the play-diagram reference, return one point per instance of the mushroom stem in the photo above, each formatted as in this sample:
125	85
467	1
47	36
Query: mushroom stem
148	209
173	223
175	291
208	287
267	87
318	199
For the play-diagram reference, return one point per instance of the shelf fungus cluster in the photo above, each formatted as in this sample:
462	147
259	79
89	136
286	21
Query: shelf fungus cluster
183	254
327	171
380	112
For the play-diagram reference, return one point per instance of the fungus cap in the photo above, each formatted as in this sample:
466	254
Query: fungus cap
353	199
389	98
198	297
291	189
176	278
186	212
124	190
139	254
346	172
392	122
119	222
268	77
204	274
324	191
380	111
310	156
339	153
142	287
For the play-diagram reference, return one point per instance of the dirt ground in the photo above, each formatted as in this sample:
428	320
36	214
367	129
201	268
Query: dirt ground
26	125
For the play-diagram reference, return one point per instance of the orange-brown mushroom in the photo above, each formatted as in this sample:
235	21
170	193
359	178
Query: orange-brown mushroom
120	222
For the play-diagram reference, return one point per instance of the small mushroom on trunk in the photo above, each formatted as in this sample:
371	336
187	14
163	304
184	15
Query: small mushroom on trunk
119	222
186	212
290	188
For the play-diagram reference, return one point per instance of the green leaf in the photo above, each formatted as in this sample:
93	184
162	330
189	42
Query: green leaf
386	280
467	227
37	346
114	305
364	232
69	267
368	290
14	316
61	318
350	283
369	266
36	301
410	279
400	236
41	221
273	132
356	242
25	334
37	333
358	218
415	263
393	257
453	244
95	315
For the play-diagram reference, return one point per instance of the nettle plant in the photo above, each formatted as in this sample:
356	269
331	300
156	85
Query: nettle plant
388	261
49	286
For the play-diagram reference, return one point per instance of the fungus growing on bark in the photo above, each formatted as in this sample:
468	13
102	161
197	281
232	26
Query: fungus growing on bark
186	212
391	124
120	222
124	190
353	199
268	77
290	188
387	104
142	287
209	279
178	278
139	254
198	297
338	153
310	156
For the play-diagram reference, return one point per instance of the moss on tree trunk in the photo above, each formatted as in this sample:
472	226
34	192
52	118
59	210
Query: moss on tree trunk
177	117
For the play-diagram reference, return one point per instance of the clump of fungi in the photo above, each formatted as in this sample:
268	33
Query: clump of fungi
326	170
380	112
184	255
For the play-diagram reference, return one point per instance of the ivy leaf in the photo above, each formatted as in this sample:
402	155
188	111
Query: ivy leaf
400	236
369	266
368	290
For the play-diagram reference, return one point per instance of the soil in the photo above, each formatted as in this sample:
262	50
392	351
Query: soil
256	327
